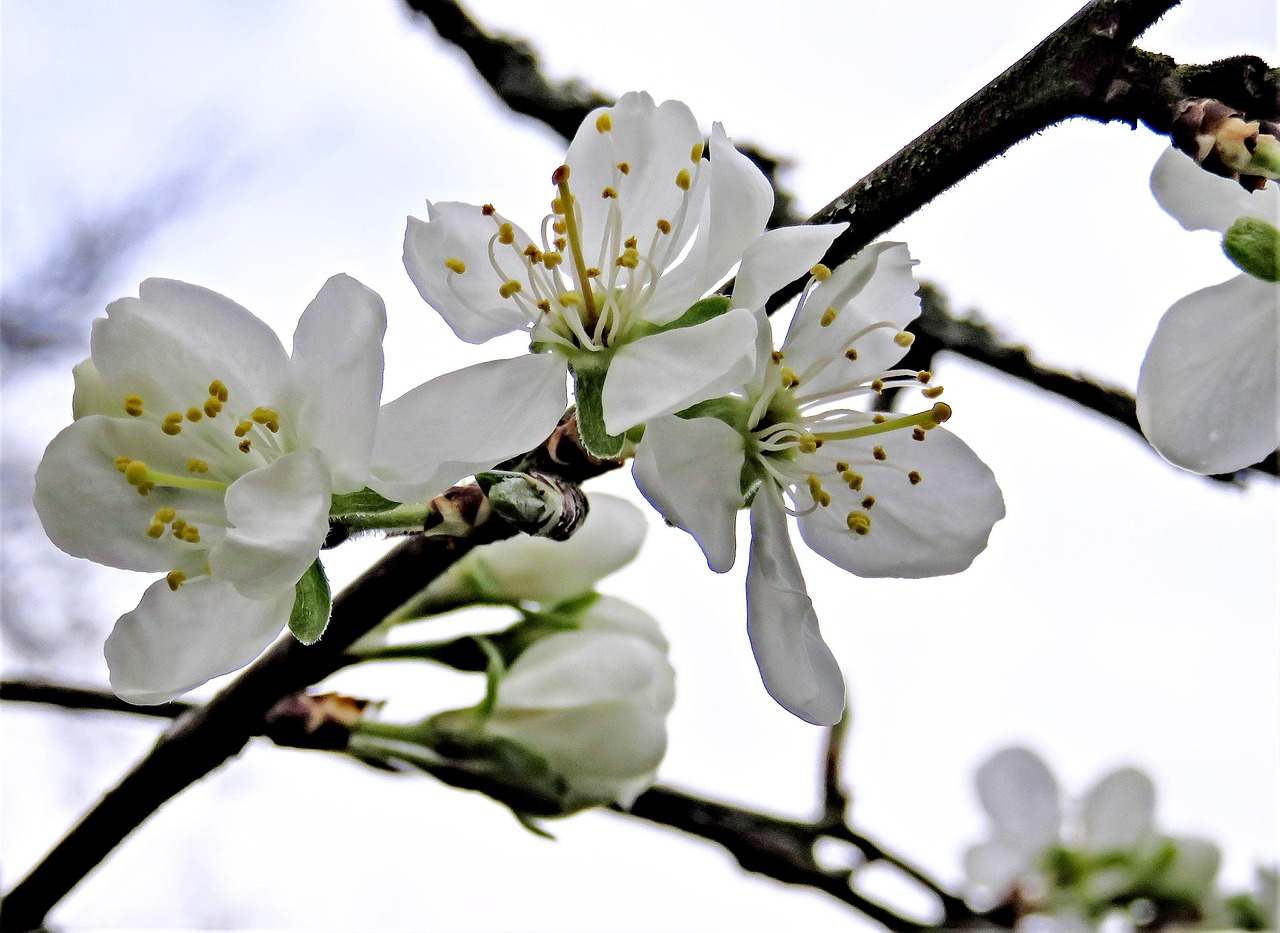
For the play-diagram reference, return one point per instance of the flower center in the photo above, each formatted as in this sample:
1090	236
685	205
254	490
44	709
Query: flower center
592	304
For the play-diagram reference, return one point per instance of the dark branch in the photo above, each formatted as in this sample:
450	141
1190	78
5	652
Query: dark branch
83	698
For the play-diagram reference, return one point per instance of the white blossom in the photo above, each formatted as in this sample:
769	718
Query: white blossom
1207	391
641	228
878	495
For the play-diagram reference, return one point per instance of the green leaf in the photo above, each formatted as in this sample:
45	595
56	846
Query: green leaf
311	604
699	313
366	500
588	382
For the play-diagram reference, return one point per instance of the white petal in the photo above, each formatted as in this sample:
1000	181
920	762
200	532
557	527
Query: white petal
1207	392
671	370
875	287
1021	796
690	471
176	640
464	421
611	614
279	518
337	371
995	866
549	572
1118	812
797	667
88	508
778	258
935	527
469	301
92	396
587	667
1200	200
170	343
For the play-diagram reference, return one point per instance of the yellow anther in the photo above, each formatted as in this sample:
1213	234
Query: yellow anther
924	376
544	306
136	472
868	502
931	392
560	243
841	466
488	210
819	495
629	243
506	234
509	288
629	258
122	463
859	522
264	415
172	423
165	515
558	227
218	390
212	407
624	168
940	412
191	534
175	579
456	265
877	419
777	356
592	272
664	226
609	192
852	480
604	123
244	446
820	272
917	434
878	453
533	253
683	179
557	207
569	300
904	339
914	478
243	428
194	414
809	443
695	154
877	385
851	354
828	317
551	260
197	466
179	525
156	530
789	378
133	405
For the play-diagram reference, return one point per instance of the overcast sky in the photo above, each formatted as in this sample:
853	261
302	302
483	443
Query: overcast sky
1125	612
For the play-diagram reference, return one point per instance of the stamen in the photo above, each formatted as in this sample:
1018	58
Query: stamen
914	477
695	154
878	453
509	288
197	466
809	443
609	192
156	530
624	168
506	234
789	378
243	428
777	356
917	434
175	579
488	210
820	272
664	226
904	339
851	354
868	502
924	376
172	423
828	317
165	515
859	522
194	414
212	406
218	390
456	265
878	419
244	446
604	123
852	480
683	179
931	392
133	405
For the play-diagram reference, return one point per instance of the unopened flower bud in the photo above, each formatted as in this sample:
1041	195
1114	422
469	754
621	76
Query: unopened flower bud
1224	143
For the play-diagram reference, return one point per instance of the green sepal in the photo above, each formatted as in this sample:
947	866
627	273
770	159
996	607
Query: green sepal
735	412
366	500
699	313
516	497
588	388
312	601
1254	246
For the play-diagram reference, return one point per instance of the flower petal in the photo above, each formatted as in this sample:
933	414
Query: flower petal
92	396
583	668
171	342
1207	391
1118	812
177	640
1200	200
671	370
464	421
689	470
89	509
797	667
468	301
933	527
337	373
279	517
611	614
876	287
1021	796
995	867
778	258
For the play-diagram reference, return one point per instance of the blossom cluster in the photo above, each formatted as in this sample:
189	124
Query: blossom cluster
201	450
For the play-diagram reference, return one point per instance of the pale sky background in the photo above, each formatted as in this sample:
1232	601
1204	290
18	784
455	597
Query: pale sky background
1125	612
